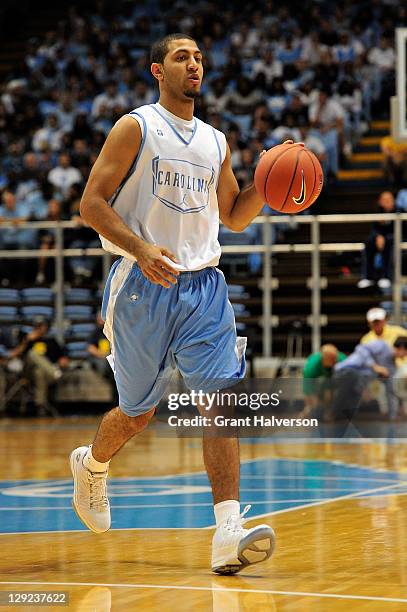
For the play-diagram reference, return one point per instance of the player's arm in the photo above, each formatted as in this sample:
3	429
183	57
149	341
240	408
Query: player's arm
237	209
111	167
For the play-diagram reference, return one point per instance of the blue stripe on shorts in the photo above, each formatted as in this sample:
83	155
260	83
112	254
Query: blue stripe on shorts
190	326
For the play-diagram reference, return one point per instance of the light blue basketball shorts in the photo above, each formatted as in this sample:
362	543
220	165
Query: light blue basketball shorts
153	330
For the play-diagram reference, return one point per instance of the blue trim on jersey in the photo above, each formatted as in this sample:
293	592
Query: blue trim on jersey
134	164
187	142
220	155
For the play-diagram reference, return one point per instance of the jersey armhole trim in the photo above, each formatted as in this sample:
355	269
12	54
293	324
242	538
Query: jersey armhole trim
219	153
134	164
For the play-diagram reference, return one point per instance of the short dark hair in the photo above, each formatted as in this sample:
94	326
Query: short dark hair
400	342
159	49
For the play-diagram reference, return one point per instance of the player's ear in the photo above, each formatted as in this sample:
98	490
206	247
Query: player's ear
157	71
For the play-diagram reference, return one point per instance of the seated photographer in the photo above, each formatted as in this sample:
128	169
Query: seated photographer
44	360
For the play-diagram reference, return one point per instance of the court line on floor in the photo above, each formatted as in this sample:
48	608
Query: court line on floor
243	461
127	506
203	588
329	500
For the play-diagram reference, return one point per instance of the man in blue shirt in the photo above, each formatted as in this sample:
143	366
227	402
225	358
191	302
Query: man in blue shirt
368	361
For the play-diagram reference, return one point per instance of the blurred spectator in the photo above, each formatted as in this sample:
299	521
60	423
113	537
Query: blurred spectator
99	349
314	144
45	359
267	65
63	176
368	361
47	242
142	94
382	57
109	99
317	373
312	49
327	121
346	50
278	98
80	237
380	329
15	212
244	99
66	112
395	161
49	136
217	97
377	257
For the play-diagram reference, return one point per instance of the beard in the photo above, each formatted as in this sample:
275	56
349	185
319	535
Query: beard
191	94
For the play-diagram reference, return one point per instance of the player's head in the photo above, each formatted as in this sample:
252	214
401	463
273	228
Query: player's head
329	355
400	347
376	318
176	63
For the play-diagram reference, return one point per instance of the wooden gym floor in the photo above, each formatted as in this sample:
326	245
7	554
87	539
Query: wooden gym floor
339	511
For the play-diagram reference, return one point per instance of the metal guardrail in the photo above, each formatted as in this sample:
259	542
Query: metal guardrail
314	247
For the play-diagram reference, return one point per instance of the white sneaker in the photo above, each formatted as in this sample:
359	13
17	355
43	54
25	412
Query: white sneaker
384	283
233	547
89	497
364	283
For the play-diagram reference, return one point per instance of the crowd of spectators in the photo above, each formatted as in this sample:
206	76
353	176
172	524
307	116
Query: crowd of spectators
313	72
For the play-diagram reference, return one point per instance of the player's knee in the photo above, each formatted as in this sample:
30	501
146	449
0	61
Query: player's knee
140	422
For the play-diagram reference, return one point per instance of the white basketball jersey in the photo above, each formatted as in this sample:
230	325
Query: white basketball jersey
168	197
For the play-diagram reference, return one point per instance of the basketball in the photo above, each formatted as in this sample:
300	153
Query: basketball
289	178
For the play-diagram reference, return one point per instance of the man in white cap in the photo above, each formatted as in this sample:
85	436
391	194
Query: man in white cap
380	329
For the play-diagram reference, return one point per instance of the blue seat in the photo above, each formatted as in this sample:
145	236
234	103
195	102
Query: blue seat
8	314
388	306
31	312
78	312
37	295
77	350
78	295
11	297
240	310
237	291
241	327
81	331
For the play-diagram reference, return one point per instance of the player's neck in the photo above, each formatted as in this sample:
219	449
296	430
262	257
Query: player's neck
182	109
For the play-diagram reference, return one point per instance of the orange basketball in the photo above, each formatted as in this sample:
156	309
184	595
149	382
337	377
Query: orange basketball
289	178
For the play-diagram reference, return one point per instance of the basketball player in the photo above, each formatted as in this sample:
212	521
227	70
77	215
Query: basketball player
155	195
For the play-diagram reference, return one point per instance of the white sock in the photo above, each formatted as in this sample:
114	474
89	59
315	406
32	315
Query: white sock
92	465
225	509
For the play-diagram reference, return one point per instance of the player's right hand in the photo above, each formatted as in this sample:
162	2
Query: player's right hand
150	260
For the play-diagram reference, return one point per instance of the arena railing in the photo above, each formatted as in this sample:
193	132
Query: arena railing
267	249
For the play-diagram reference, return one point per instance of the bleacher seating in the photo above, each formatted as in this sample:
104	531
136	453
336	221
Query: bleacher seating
77	350
10	297
29	313
8	314
37	295
78	295
78	312
80	331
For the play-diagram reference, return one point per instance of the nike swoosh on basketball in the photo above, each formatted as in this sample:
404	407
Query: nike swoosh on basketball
301	198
